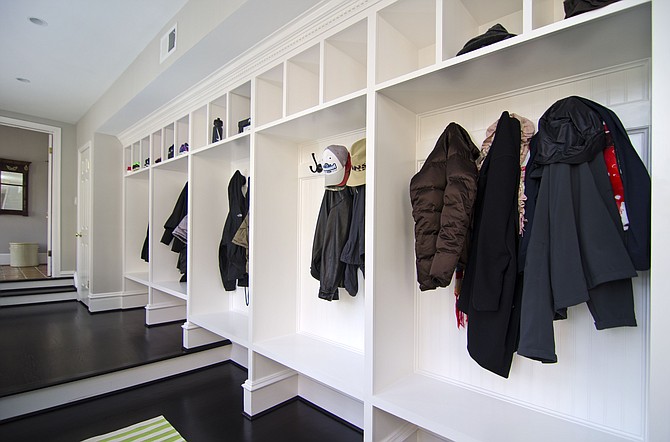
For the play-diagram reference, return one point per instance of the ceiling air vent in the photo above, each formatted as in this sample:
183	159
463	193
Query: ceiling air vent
168	43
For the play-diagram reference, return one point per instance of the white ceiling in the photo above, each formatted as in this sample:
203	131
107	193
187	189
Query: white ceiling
71	62
88	44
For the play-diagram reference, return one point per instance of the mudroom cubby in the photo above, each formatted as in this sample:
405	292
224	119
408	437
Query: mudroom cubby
169	142
291	325
218	109
269	96
406	38
239	108
199	128
560	399
156	147
465	19
345	62
168	180
136	223
210	306
392	359
144	153
303	80
181	135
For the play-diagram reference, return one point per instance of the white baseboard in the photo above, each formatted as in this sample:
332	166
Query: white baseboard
5	258
99	302
195	336
45	398
341	405
160	313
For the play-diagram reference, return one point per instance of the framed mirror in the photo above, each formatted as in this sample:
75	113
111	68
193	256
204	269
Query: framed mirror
14	187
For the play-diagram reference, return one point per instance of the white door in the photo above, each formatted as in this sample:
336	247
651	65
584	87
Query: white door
83	222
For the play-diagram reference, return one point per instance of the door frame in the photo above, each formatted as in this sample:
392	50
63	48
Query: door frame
54	188
84	296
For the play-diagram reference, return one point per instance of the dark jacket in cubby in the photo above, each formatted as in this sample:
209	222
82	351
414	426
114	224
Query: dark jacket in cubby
442	195
489	294
577	249
330	235
232	258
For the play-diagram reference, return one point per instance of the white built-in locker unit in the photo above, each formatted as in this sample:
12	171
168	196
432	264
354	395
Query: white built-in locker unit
391	360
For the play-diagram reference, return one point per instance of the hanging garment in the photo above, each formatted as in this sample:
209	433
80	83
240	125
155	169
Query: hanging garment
489	294
145	247
232	258
442	195
178	213
181	231
353	252
330	236
576	251
241	238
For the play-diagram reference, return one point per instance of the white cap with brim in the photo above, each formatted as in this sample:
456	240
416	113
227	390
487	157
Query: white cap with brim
336	165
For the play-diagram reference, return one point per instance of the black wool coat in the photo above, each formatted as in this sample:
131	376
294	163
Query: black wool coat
489	294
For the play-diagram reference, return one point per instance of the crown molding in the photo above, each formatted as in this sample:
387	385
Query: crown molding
292	38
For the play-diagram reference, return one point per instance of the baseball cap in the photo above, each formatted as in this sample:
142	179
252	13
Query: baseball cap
336	165
357	176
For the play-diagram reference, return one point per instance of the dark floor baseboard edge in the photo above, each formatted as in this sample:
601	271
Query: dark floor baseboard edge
112	393
58	301
308	403
185	351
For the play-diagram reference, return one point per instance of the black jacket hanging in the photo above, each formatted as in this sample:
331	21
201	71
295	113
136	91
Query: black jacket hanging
353	253
330	235
178	213
576	251
232	258
489	293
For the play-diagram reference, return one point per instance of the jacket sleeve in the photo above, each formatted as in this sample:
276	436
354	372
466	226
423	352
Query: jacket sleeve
458	199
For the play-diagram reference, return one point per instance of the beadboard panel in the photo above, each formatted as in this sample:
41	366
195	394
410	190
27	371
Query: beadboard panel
600	376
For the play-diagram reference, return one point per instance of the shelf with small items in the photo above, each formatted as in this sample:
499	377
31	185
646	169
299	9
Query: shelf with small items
239	109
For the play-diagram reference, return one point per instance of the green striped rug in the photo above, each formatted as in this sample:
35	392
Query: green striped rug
156	429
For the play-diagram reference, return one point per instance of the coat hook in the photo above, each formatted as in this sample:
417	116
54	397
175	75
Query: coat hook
319	168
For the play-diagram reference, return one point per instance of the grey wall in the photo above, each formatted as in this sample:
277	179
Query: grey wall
24	145
106	235
68	186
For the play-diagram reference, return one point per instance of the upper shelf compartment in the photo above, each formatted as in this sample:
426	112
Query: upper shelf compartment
553	52
406	37
462	20
269	96
302	81
345	62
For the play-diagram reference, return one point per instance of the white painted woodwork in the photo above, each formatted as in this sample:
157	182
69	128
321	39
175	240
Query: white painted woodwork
391	359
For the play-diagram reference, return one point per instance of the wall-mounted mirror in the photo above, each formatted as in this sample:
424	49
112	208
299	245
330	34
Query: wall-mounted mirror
14	187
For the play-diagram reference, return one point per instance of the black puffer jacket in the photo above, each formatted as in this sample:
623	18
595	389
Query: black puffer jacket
442	194
232	258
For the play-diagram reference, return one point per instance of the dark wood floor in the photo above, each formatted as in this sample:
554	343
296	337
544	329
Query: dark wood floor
203	406
47	344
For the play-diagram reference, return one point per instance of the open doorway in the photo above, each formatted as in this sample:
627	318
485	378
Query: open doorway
50	248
